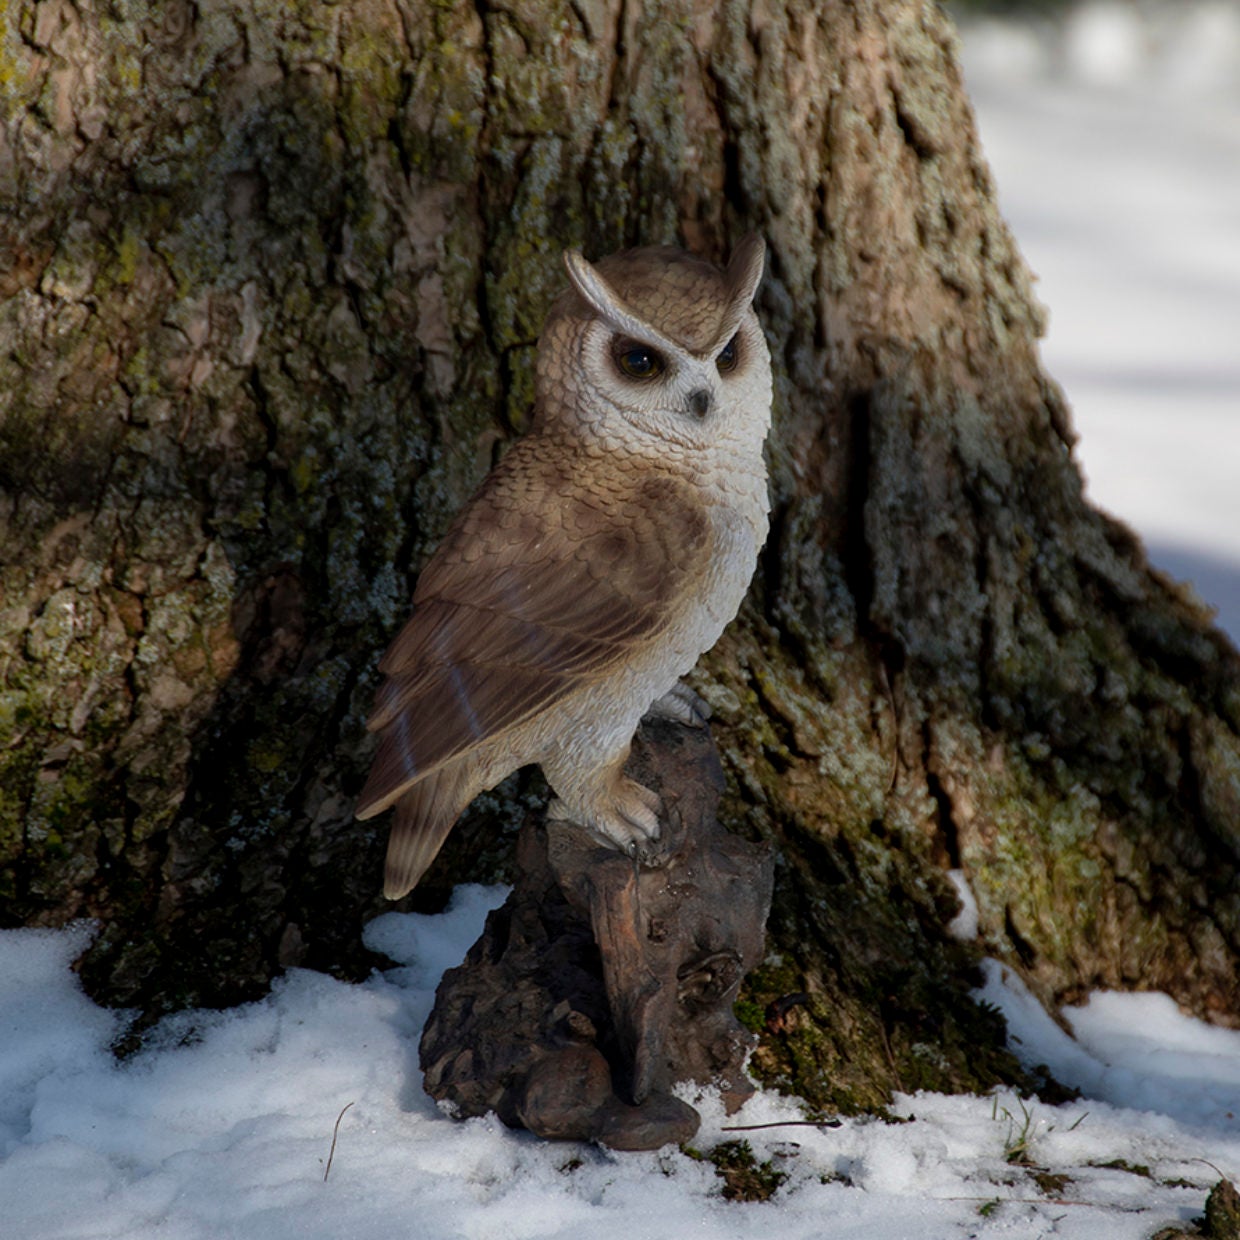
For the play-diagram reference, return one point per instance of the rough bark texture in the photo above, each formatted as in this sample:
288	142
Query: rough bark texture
271	278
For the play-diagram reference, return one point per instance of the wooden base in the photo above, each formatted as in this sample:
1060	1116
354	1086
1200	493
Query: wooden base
601	983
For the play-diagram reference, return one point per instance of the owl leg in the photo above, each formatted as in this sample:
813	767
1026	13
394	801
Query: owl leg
619	810
681	705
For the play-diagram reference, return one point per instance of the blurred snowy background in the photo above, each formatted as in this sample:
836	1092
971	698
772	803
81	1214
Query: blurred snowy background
1114	132
1113	129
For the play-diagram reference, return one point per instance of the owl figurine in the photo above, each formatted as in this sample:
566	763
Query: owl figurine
605	552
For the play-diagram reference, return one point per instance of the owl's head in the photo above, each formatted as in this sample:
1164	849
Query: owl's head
662	342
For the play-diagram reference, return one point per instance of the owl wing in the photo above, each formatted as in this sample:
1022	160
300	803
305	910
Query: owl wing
540	586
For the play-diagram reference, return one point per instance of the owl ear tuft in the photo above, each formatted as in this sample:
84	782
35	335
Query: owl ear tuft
745	267
741	280
608	304
591	286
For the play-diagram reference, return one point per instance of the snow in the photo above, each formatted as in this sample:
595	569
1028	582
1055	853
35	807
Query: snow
964	925
1116	145
1131	1050
223	1126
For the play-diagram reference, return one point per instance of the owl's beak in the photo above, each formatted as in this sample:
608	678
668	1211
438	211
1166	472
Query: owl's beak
699	402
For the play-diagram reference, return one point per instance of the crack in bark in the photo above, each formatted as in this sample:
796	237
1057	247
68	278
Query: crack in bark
262	410
945	821
857	554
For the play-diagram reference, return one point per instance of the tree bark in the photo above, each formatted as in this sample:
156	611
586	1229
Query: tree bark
271	281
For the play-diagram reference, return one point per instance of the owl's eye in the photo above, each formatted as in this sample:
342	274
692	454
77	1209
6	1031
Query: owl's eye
638	361
727	358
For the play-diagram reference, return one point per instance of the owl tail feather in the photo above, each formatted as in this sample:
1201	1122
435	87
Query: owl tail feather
424	816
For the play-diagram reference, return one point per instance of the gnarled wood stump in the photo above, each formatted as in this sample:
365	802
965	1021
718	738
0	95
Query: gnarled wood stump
603	982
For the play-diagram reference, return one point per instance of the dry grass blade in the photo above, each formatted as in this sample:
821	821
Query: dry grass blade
335	1133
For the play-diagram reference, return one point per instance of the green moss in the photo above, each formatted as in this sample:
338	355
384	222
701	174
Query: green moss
1122	1164
268	759
750	1014
1222	1216
744	1177
885	1006
141	374
306	471
14	69
127	256
371	70
451	86
19	767
844	1049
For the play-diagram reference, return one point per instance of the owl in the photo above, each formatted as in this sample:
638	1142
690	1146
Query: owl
600	558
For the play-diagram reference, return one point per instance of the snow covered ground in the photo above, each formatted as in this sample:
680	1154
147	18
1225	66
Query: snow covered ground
1117	153
224	1129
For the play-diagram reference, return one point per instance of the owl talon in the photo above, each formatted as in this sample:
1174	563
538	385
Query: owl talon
627	818
647	855
681	704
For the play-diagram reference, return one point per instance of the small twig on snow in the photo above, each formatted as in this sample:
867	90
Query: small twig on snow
784	1123
335	1133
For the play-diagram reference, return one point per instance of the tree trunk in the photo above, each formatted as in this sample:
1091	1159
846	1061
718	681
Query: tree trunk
272	277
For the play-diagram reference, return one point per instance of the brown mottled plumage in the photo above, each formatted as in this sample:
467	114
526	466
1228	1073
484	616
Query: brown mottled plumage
596	562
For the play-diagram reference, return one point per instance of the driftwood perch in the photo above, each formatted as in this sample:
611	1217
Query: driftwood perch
601	983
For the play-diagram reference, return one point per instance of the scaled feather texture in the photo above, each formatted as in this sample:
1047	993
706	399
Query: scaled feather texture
598	560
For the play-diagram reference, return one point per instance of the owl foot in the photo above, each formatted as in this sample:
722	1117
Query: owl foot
681	705
626	819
